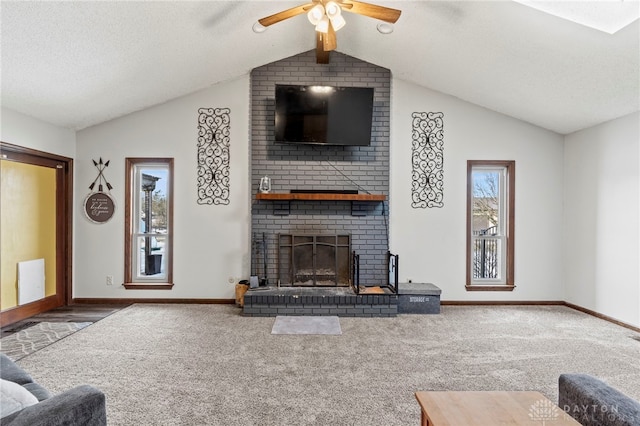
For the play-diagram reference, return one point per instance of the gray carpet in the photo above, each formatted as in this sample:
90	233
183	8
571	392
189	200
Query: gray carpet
208	365
306	325
36	337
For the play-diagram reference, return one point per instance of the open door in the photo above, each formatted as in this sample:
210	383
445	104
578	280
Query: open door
35	232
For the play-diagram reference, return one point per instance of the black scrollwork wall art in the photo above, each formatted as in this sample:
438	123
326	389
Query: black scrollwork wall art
213	155
427	186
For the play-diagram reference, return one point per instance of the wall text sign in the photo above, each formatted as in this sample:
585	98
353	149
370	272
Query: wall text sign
99	207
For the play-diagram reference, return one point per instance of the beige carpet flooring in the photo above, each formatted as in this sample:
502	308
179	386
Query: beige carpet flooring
306	325
208	365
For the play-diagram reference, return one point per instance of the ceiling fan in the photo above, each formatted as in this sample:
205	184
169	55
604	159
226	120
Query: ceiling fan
327	17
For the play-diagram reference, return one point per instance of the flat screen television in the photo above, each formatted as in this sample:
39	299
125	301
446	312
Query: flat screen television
325	115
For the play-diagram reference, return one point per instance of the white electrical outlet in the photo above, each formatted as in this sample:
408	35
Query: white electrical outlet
109	279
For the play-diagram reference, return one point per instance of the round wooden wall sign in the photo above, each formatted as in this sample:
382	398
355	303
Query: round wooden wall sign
99	207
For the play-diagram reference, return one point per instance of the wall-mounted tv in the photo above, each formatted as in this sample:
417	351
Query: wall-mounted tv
326	115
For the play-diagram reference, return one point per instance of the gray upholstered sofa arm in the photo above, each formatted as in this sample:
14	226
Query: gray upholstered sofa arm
594	403
83	406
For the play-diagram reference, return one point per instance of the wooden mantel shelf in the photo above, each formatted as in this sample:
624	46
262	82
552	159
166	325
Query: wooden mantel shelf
320	196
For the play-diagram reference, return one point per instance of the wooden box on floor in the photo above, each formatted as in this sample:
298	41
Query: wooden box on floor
241	289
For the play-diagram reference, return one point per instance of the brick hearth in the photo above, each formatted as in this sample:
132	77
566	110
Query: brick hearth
343	302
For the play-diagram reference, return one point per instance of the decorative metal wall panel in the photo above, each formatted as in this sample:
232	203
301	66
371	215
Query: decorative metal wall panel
427	186
213	155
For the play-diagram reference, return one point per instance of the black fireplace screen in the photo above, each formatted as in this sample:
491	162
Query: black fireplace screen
314	260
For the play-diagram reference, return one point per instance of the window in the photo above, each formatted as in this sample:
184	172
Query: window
148	223
490	225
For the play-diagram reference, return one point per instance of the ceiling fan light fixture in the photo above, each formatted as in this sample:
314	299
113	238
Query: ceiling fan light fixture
332	9
327	18
337	22
315	14
323	25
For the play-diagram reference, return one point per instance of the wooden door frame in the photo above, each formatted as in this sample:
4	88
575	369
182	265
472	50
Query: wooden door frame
64	228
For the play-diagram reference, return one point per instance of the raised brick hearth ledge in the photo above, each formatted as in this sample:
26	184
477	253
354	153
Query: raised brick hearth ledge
318	301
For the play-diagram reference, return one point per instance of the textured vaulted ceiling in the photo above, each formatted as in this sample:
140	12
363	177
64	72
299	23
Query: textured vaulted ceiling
79	63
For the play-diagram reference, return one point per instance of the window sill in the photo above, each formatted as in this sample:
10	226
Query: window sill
490	287
149	286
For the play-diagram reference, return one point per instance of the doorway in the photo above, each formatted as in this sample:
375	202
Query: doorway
36	223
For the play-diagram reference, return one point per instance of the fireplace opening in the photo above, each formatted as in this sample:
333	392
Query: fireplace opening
314	260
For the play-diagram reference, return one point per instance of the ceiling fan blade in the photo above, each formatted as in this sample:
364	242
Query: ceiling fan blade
285	14
322	56
329	41
386	14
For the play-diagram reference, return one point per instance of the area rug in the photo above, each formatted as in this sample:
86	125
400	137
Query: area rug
306	325
36	337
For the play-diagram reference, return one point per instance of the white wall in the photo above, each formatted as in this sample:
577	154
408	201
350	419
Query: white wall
28	132
211	243
431	242
577	200
601	220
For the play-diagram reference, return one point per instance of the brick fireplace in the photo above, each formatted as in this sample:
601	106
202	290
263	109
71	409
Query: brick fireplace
291	167
314	260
